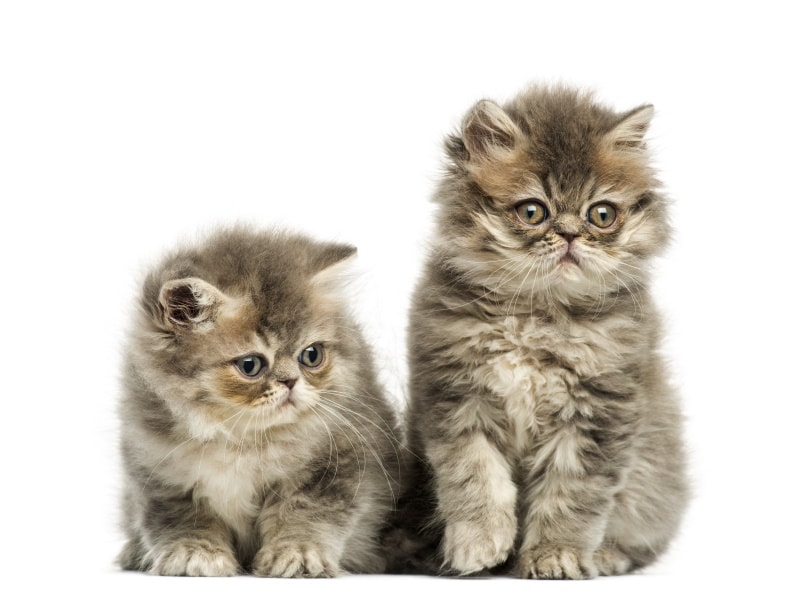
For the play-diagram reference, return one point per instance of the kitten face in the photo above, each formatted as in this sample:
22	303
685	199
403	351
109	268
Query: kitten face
251	376
240	356
552	195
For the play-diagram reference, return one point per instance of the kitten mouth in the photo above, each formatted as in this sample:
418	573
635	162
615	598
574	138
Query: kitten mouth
277	403
568	258
566	255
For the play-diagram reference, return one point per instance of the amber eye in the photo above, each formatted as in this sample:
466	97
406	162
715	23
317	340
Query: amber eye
312	357
531	212
603	215
250	366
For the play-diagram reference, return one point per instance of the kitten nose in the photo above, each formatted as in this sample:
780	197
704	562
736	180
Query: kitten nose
289	382
569	237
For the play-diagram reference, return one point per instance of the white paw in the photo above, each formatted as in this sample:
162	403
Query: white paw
470	547
290	560
556	563
194	557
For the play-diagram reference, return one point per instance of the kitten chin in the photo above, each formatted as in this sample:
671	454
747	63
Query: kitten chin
254	433
546	435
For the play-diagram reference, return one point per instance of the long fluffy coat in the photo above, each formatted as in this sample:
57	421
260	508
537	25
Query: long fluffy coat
546	433
253	431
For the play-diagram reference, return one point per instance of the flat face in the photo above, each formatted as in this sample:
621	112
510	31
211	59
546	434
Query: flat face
247	331
563	202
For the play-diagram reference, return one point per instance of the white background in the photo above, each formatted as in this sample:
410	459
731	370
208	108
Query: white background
127	125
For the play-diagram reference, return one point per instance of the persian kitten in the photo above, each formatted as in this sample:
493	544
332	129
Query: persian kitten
549	437
254	433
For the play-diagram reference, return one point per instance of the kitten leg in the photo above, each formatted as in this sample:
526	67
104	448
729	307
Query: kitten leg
564	524
476	500
570	495
185	540
306	534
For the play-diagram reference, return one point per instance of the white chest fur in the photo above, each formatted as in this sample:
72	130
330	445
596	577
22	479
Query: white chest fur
228	479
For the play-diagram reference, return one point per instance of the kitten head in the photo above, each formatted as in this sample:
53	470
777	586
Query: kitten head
246	331
552	195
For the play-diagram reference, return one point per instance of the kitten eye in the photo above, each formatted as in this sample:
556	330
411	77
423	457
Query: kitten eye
603	215
250	366
531	212
312	357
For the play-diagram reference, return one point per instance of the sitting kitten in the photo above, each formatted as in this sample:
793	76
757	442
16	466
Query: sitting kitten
538	400
254	433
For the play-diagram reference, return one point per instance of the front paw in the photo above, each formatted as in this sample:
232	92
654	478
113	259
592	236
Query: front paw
556	563
292	560
194	557
470	547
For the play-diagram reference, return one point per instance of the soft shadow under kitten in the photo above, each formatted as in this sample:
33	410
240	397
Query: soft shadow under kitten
548	434
254	433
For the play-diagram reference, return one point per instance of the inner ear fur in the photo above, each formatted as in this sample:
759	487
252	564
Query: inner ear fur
189	303
630	131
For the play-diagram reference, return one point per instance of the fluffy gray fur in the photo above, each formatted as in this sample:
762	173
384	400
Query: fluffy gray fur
547	434
289	472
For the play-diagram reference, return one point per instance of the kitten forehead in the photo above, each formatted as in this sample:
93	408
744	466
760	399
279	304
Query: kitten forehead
273	268
564	136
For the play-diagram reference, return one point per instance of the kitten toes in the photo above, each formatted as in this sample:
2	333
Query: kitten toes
471	547
556	563
289	560
611	561
194	557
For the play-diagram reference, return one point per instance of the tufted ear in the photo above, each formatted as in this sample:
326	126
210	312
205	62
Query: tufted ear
630	131
487	132
189	303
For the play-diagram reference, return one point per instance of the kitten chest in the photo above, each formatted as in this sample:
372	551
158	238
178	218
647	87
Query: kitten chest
534	367
228	479
229	482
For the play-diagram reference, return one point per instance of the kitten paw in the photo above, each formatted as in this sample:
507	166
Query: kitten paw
290	560
556	563
472	547
611	561
194	557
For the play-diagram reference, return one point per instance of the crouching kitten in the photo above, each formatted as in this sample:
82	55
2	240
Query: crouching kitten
254	434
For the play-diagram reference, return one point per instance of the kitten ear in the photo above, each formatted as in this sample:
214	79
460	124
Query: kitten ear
189	303
333	267
330	254
488	131
630	131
